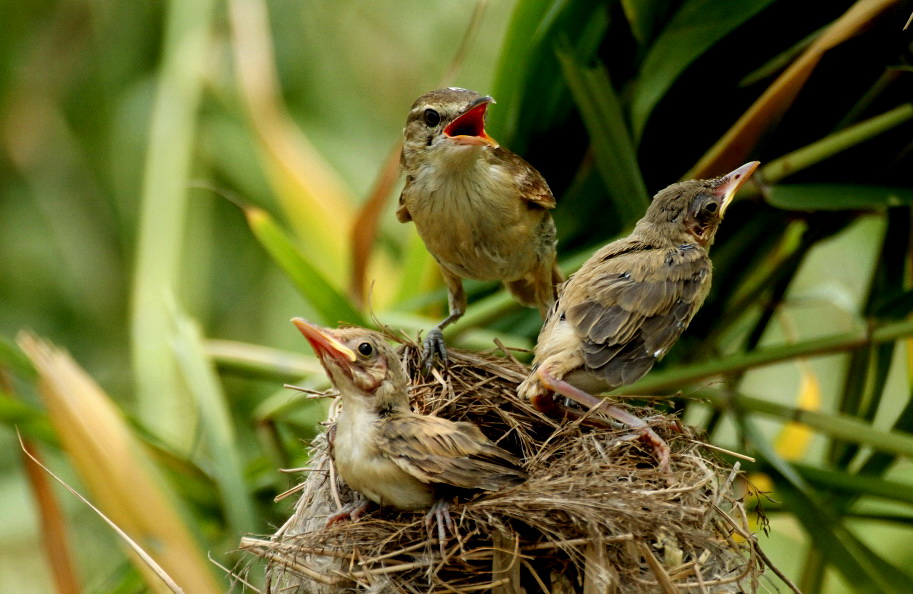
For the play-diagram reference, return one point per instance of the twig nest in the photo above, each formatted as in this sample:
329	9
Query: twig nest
595	515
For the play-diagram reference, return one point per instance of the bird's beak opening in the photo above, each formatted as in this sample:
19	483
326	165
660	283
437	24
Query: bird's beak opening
323	342
730	183
469	128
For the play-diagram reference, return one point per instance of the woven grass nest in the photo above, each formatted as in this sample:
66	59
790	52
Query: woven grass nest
596	515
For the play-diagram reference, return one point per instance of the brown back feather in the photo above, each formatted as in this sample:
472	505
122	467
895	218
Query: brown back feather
641	302
436	450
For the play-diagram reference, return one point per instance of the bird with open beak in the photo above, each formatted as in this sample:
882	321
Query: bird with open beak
481	210
389	454
629	303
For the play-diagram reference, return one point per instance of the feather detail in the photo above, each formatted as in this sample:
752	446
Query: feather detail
443	452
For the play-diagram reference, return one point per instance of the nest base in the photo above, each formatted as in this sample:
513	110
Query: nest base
594	516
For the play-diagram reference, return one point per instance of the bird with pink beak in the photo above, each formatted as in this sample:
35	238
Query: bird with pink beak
629	303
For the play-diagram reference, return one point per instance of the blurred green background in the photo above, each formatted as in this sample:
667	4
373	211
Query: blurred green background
178	180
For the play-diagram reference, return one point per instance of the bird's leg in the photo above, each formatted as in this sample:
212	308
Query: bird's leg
331	439
644	432
351	511
440	512
433	345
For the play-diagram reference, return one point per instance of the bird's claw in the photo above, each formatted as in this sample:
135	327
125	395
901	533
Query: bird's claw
440	513
351	511
661	450
433	347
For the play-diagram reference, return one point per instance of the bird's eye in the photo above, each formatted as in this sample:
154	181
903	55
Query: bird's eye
711	207
365	349
432	118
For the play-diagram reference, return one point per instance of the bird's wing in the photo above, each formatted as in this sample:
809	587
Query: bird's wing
633	304
436	450
532	186
402	212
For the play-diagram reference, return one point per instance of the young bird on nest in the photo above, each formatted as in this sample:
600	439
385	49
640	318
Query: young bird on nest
481	210
389	454
629	303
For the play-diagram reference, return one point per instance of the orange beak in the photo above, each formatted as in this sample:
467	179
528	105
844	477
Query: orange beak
323	342
469	128
730	183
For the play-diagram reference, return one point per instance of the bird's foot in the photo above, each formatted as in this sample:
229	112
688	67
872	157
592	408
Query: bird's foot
433	347
661	450
440	512
351	511
547	403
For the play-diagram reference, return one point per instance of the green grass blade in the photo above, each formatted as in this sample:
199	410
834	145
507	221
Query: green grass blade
14	360
162	404
252	360
527	21
644	17
679	377
861	567
31	421
217	425
856	485
328	302
897	443
833	197
528	78
868	368
695	28
836	143
614	152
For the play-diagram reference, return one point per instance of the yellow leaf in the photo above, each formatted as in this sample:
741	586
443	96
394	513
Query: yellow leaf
318	204
740	141
117	470
794	438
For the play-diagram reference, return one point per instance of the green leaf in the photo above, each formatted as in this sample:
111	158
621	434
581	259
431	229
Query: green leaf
224	455
14	359
329	303
644	16
831	197
531	94
693	30
253	360
614	152
896	443
856	485
32	421
868	369
878	462
855	561
161	228
678	377
527	19
835	143
895	306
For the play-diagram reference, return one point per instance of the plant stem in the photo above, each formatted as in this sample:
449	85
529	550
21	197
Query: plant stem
680	377
833	144
833	425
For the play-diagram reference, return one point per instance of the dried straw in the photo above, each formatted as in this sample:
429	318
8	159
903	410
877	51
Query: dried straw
595	515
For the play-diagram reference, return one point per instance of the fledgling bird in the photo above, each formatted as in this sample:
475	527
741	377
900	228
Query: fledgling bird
389	454
481	210
630	302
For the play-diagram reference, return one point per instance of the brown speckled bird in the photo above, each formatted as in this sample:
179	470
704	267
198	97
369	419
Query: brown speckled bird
389	454
481	210
629	303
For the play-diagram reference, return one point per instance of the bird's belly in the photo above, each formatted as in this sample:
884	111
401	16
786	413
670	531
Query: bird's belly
584	379
476	236
377	477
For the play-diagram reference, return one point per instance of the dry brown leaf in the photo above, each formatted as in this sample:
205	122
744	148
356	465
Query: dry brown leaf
116	469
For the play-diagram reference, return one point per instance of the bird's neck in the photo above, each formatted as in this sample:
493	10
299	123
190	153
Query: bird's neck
660	235
444	156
